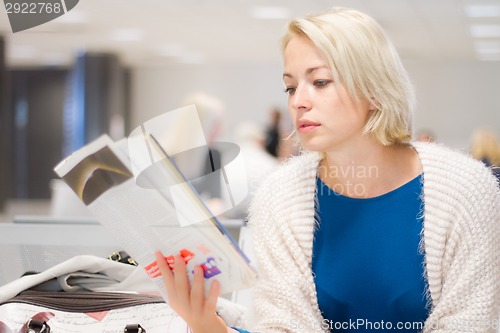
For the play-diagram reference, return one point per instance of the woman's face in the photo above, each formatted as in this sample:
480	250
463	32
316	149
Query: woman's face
324	115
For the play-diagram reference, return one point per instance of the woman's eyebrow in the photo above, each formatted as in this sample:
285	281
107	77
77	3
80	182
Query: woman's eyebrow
308	71
312	69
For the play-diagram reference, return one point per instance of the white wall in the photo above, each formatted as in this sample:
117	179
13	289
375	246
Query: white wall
456	98
453	98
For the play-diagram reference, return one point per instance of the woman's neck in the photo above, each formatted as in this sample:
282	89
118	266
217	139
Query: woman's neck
369	169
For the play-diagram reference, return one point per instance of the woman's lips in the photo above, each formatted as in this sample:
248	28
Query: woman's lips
306	126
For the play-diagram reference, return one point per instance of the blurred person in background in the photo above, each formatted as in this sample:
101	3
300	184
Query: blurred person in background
250	137
273	133
485	147
426	136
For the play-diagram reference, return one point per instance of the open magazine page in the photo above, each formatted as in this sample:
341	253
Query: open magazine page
146	218
160	318
158	229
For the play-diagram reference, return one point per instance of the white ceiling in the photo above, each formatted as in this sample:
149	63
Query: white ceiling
163	32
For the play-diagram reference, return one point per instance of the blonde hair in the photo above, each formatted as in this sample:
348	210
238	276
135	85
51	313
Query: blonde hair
365	62
485	146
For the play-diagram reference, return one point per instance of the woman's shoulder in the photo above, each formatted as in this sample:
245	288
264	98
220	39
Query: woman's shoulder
451	169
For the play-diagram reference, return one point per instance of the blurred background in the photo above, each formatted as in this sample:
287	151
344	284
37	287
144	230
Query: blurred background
108	65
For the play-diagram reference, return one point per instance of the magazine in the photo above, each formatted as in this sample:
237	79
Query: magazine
161	213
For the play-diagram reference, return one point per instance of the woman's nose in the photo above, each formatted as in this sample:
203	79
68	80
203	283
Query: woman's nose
301	99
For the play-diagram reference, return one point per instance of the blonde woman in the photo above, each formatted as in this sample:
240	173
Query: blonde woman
366	230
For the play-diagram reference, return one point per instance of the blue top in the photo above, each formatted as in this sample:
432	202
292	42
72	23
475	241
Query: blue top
240	330
367	266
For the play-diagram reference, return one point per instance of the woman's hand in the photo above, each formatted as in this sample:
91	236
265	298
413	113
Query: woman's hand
189	301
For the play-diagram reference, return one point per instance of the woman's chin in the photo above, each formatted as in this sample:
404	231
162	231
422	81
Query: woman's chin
314	145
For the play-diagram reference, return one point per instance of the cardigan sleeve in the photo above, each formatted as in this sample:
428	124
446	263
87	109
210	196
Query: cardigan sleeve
281	302
285	296
467	300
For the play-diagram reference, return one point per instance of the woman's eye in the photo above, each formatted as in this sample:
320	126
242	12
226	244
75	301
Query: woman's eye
321	83
289	90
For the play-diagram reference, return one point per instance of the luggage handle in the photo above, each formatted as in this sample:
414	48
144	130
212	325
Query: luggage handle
41	326
134	328
37	326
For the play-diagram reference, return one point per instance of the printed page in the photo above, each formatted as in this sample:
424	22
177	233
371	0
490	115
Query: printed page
145	218
154	317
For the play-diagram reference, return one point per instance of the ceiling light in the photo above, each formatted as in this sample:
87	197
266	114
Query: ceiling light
270	13
487	50
487	46
482	10
485	30
489	57
127	35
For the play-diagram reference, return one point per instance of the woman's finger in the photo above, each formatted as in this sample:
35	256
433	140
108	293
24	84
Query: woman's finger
198	290
182	287
213	295
166	273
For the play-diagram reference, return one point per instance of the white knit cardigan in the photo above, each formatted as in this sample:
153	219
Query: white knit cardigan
461	243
